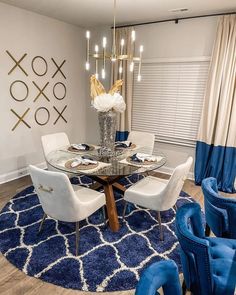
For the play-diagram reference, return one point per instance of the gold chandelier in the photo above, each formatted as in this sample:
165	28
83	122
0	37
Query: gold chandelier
117	54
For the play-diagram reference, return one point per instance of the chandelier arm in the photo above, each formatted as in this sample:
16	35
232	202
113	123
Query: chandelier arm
114	30
118	57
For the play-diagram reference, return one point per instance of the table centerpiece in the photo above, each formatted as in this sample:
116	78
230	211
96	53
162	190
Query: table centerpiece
107	106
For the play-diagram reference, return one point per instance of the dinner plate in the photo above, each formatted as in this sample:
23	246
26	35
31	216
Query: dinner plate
81	166
72	149
128	159
133	146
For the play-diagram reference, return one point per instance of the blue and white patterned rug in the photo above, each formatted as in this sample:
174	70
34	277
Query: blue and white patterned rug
107	262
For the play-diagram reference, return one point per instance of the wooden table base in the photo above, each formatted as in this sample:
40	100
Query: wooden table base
108	182
111	208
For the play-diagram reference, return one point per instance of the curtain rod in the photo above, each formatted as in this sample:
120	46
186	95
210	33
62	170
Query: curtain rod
176	20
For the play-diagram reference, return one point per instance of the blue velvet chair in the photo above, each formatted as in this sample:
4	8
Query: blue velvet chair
159	274
220	211
209	264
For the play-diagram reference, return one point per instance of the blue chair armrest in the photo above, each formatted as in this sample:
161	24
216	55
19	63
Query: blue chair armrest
160	274
220	211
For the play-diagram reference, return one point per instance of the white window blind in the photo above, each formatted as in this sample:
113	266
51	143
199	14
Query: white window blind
168	101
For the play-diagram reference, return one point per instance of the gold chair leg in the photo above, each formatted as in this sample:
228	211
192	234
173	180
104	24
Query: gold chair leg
125	206
42	222
160	225
76	238
104	215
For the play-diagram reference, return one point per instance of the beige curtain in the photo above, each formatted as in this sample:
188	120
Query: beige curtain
218	122
124	120
216	145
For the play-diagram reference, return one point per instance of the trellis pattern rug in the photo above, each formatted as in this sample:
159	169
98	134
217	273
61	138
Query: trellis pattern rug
107	261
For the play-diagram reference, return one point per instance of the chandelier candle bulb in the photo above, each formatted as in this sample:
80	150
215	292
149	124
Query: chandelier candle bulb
96	48
88	34
120	70
133	35
131	67
122	43
140	62
104	44
103	74
87	65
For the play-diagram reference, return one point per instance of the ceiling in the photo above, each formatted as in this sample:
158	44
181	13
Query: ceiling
90	13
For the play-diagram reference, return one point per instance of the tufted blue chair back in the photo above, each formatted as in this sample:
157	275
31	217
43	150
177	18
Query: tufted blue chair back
195	255
220	211
160	274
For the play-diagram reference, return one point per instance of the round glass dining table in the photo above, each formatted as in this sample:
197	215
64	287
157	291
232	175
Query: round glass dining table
107	173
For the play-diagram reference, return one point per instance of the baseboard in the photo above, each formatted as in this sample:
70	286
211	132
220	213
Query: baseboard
169	171
18	173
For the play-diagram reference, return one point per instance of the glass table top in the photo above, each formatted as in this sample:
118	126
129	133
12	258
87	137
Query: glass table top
118	165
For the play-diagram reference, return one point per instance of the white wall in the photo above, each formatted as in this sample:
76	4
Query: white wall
25	32
187	39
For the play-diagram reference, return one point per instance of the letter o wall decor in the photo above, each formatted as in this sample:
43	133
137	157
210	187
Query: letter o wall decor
33	65
11	90
36	116
54	91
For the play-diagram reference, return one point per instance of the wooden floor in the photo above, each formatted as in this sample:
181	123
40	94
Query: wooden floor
15	282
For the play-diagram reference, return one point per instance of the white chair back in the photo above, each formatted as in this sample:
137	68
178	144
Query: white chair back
56	194
54	141
144	140
175	184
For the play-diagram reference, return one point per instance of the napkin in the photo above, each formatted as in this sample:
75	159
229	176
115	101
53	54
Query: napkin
140	157
82	161
80	146
123	144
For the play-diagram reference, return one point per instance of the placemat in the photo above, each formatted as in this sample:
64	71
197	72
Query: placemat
81	166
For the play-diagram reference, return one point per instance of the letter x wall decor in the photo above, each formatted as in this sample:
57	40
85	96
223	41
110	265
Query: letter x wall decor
37	91
17	63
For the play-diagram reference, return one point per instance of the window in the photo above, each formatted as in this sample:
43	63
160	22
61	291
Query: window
168	101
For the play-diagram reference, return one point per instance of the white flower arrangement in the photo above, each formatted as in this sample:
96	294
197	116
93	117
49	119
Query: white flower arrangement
106	102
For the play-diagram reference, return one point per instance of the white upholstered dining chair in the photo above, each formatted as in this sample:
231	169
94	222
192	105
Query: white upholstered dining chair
156	193
144	140
51	142
54	141
63	201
